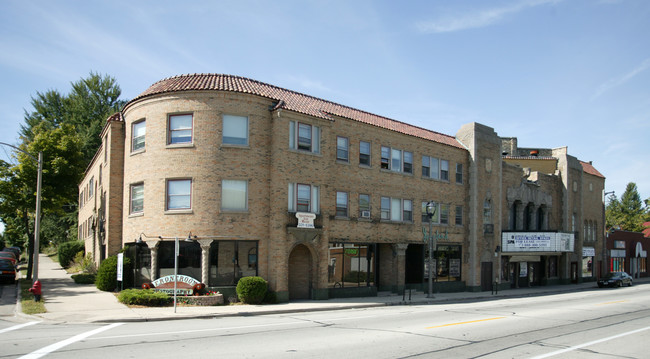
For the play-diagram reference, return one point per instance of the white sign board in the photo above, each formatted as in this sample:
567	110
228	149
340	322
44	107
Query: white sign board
120	266
305	220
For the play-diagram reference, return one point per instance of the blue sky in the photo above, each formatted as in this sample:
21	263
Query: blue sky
553	73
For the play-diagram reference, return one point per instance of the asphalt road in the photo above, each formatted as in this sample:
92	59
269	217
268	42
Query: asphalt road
598	323
7	300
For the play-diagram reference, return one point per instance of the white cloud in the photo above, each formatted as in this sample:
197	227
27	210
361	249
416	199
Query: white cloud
620	80
478	19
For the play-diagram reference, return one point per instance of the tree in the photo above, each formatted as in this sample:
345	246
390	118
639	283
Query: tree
63	166
629	213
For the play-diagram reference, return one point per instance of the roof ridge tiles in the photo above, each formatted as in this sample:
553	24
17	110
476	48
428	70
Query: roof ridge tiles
292	100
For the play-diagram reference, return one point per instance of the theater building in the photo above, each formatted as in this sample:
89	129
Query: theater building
323	200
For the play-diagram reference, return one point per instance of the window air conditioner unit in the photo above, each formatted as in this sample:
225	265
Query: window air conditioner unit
365	214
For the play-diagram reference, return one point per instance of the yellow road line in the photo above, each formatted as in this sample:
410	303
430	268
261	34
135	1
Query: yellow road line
618	301
472	321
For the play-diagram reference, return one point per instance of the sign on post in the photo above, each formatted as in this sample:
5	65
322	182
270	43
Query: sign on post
120	266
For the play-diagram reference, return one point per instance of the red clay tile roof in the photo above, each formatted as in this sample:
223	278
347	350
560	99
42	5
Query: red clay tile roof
589	168
289	100
509	157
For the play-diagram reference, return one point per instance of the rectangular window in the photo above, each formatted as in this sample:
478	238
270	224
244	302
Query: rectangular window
444	214
180	129
385	157
459	215
364	153
436	213
408	162
138	131
459	173
235	130
91	187
234	195
395	160
304	137
444	170
435	168
426	168
407	210
137	198
342	151
303	198
396	209
364	205
351	265
341	204
179	194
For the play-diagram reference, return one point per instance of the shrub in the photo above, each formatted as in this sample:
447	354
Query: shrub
84	278
147	297
68	250
251	290
106	279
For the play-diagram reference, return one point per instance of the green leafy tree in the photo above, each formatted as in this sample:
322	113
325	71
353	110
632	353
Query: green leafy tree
628	213
62	168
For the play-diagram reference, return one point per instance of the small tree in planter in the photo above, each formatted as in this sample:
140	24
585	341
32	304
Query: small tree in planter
252	290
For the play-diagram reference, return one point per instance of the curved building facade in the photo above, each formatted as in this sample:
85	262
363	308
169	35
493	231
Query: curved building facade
320	199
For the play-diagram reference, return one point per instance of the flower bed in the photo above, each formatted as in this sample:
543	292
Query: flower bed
202	300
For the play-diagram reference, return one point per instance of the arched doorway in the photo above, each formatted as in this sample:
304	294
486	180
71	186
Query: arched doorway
300	273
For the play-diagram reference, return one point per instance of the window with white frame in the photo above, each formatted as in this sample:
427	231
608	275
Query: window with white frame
342	150
364	153
137	198
303	198
444	213
180	129
138	131
435	168
396	209
459	173
235	130
459	215
364	205
396	160
304	137
179	194
341	204
91	187
234	195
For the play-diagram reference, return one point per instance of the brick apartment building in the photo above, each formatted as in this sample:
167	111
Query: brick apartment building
230	163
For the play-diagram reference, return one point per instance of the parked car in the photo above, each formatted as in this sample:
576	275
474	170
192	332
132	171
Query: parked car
615	279
7	271
10	256
14	250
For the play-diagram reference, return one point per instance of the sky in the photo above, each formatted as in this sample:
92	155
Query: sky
552	73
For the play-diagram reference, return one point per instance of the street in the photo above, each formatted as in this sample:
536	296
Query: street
608	322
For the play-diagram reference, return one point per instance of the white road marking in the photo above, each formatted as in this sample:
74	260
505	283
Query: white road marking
562	351
50	348
15	327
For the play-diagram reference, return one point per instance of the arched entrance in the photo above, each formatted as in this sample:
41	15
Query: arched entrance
300	273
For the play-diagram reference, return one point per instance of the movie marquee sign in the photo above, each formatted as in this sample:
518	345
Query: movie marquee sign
537	242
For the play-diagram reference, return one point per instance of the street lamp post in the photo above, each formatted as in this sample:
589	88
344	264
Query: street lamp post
37	219
431	211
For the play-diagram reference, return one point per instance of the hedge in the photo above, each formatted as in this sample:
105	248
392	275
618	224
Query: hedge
251	290
68	250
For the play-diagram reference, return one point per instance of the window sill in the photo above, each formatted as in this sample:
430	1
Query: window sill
342	218
317	154
178	211
342	162
388	221
139	214
435	179
133	153
179	145
234	211
361	165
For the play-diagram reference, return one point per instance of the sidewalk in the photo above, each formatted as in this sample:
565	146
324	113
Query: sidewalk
68	302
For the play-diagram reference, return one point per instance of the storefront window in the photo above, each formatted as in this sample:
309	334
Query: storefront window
230	261
617	264
446	263
189	259
587	266
351	265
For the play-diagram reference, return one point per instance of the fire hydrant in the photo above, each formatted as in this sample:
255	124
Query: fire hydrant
36	290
